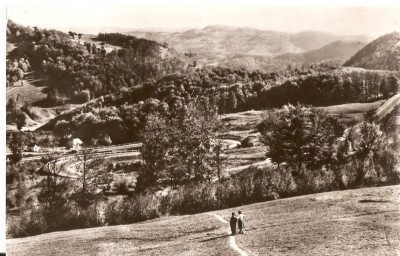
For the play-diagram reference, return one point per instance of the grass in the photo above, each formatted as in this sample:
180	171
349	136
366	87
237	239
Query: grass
352	222
177	235
30	92
352	112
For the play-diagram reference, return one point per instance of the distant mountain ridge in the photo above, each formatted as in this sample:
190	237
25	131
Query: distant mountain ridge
382	53
337	52
218	44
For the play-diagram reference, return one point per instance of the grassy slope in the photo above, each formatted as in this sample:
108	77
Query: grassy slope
32	93
353	222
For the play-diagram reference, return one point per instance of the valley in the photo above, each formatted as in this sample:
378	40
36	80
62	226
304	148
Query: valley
145	142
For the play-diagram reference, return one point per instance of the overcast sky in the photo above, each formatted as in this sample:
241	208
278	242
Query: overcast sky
372	20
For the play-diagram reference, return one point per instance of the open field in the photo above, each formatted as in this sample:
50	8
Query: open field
352	112
353	222
32	92
243	124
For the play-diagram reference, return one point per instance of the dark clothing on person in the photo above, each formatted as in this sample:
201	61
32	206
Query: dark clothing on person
233	225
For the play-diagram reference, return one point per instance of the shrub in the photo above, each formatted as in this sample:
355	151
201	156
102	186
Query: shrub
79	217
123	188
29	223
131	210
196	198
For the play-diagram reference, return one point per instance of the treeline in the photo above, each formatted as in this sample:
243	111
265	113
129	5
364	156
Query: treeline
239	90
15	71
330	88
229	90
143	46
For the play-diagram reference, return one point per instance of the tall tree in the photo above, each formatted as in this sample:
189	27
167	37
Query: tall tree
16	145
366	150
156	139
299	135
196	125
179	145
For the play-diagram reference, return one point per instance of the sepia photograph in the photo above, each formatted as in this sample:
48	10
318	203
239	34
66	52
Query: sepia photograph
203	128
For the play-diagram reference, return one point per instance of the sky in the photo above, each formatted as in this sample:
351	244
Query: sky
371	20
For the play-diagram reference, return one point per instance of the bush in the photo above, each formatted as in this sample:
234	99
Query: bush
29	223
131	210
123	188
195	198
79	217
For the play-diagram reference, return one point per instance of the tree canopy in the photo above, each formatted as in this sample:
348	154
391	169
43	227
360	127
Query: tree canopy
299	135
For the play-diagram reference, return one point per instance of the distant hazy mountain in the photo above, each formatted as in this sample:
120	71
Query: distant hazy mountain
382	53
337	52
222	44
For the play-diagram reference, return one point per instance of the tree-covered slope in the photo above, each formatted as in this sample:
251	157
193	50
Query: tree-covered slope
337	51
382	53
76	67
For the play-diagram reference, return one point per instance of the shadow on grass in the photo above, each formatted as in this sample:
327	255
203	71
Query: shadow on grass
215	238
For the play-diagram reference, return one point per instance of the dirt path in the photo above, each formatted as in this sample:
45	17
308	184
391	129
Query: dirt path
232	240
388	106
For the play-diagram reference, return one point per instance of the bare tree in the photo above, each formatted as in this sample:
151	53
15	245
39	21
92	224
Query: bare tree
91	175
53	189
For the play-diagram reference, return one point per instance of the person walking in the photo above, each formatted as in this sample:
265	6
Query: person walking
233	224
241	222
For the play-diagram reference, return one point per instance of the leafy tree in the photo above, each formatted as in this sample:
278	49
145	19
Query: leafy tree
19	118
15	115
156	142
299	135
365	150
195	126
179	146
16	145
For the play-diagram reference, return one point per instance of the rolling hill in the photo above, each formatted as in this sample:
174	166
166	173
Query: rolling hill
356	222
224	45
382	53
85	64
338	52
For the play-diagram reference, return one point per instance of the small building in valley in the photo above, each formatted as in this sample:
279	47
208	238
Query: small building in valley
33	147
77	144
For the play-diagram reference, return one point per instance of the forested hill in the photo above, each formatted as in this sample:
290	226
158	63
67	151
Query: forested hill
382	53
337	52
229	90
74	66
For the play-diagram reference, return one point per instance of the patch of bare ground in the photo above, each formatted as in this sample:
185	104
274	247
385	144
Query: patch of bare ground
353	222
